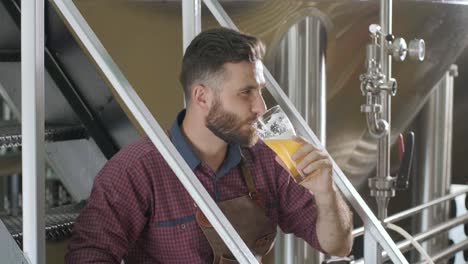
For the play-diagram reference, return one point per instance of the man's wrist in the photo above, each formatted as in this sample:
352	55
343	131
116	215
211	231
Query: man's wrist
326	197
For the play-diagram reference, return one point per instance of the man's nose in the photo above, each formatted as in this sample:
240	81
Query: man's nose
259	106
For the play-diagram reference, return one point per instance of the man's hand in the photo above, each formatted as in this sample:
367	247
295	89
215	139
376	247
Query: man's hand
316	166
334	222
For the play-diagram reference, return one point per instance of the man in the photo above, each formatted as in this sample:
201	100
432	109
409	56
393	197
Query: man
138	210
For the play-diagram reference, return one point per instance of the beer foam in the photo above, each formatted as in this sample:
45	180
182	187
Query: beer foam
277	126
285	135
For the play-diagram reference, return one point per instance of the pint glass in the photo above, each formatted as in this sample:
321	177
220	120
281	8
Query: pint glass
275	129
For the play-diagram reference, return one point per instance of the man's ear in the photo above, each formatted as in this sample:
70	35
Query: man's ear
201	96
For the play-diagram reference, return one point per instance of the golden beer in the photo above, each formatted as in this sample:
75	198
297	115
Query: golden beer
285	148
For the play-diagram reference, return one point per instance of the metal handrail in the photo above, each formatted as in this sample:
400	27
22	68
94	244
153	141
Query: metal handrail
375	227
122	86
10	252
412	211
406	244
449	252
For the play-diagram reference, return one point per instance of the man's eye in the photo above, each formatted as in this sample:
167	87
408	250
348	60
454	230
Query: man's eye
247	92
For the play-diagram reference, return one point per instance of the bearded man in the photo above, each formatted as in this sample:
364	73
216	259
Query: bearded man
139	212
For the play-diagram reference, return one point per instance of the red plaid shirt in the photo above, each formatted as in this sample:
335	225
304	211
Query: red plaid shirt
140	212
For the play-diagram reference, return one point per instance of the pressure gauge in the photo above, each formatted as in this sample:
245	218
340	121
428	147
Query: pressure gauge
417	49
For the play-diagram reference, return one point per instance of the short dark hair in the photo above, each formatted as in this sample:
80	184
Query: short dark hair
210	50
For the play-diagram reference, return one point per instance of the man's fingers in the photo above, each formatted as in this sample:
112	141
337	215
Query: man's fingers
299	139
320	164
311	157
303	150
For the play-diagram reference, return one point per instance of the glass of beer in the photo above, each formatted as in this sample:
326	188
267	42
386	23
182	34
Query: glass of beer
275	129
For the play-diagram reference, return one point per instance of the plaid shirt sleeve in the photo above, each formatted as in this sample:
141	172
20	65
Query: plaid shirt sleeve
297	209
115	215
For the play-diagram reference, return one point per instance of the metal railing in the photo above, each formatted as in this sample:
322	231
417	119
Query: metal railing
448	252
406	245
9	249
32	129
414	210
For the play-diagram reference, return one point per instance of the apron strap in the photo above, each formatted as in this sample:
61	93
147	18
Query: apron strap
248	178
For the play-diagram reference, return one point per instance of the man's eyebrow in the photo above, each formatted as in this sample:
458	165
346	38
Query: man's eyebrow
248	87
253	87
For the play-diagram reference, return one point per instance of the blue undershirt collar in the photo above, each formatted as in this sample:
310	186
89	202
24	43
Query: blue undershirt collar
232	159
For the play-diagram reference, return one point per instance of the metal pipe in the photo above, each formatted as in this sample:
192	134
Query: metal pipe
14	194
377	127
191	21
450	251
301	66
154	131
386	12
412	211
406	245
11	169
319	93
301	72
306	44
286	251
341	181
383	155
436	136
32	117
316	104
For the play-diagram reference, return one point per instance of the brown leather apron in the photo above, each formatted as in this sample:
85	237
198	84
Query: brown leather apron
247	214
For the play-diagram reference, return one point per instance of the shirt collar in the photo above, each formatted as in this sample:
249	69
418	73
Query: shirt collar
232	159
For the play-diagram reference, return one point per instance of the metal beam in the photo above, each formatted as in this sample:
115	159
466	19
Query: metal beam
371	249
9	250
191	21
32	116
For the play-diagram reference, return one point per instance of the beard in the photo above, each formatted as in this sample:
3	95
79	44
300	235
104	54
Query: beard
228	126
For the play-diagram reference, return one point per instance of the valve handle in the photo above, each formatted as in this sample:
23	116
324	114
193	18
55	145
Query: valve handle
401	147
406	147
374	29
